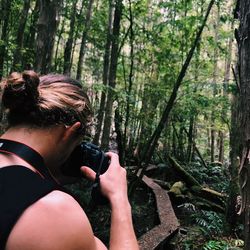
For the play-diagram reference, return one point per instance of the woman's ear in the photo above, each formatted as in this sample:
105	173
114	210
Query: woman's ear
72	131
76	127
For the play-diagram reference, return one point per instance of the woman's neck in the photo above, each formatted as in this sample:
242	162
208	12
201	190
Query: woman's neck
43	141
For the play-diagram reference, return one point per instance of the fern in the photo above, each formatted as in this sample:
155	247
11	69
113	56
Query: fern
215	245
220	245
210	223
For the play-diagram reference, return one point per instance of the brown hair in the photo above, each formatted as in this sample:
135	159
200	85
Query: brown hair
44	101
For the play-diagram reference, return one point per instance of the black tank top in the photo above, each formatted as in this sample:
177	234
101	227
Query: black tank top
20	187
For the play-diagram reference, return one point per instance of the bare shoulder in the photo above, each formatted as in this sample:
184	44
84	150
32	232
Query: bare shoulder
54	222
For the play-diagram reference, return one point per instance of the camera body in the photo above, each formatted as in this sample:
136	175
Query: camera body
85	154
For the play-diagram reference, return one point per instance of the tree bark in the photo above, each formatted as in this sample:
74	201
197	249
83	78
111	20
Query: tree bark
243	33
69	43
130	81
190	138
57	61
234	189
105	76
112	74
29	43
118	122
231	213
84	39
46	32
195	147
215	79
6	7
17	58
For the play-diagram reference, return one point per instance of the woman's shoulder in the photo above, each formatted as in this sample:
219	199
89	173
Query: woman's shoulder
58	199
55	221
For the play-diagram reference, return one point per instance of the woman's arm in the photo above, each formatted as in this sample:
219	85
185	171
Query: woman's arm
114	187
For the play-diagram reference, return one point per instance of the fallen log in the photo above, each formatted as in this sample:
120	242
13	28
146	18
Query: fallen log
194	186
181	194
184	175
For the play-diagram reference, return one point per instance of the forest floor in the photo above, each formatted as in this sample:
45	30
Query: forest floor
194	233
145	215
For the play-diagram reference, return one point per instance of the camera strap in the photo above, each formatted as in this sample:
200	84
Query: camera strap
27	154
98	172
97	197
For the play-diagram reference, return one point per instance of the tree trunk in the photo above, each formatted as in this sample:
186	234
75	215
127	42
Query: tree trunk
84	39
215	79
29	56
118	122
106	63
57	61
112	74
221	147
6	7
243	40
165	116
231	214
46	32
190	138
130	82
17	58
212	144
234	190
69	43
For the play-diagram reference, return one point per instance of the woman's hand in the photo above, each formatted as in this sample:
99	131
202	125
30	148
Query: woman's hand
113	182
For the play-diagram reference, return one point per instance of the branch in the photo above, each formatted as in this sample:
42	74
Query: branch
164	119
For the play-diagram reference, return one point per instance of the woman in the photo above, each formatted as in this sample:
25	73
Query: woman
49	116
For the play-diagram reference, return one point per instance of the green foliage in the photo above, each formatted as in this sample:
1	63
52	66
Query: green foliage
211	223
223	245
214	175
215	245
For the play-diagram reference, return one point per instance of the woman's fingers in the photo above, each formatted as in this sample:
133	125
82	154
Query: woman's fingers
88	173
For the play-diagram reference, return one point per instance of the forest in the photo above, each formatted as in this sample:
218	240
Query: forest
168	82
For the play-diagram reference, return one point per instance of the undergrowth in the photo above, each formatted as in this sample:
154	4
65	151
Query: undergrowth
209	227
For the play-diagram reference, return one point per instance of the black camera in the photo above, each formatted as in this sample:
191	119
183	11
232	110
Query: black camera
88	154
85	154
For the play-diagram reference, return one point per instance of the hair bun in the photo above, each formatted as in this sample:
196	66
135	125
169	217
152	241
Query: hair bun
20	91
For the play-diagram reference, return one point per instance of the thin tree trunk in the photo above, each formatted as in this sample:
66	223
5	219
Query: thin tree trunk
212	137
29	42
84	39
174	135
190	139
197	151
112	74
6	7
118	122
165	116
69	43
17	58
106	63
46	32
221	146
215	79
228	62
78	25
59	37
131	74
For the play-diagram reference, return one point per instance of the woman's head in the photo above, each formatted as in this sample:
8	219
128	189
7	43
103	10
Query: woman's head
44	101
